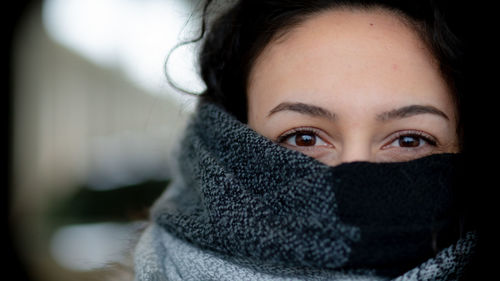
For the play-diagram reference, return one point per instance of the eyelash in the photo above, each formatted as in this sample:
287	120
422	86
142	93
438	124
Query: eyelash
312	131
415	134
316	132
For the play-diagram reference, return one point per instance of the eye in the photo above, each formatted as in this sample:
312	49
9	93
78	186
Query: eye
411	140
302	138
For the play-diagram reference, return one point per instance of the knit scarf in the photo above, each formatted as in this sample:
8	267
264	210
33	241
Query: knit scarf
245	208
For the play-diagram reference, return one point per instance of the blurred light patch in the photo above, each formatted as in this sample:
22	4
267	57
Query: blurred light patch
125	159
93	246
131	35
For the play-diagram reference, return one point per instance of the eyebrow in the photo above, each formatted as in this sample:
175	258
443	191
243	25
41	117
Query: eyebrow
411	110
303	108
398	113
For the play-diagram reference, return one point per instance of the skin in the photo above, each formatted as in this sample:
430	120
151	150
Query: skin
352	85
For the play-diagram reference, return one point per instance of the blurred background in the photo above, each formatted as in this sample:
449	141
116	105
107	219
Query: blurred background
93	126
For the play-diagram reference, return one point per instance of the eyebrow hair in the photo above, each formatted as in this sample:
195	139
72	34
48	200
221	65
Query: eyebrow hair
410	110
303	108
398	113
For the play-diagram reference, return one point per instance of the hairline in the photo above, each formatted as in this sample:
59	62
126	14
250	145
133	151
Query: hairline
282	34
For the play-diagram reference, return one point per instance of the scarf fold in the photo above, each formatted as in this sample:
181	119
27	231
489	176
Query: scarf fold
244	200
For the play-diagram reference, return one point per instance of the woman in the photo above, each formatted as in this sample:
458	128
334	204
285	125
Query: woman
326	147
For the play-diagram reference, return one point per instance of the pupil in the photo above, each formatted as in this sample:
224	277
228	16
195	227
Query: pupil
409	141
305	139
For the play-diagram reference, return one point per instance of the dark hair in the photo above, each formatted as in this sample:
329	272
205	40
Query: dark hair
235	39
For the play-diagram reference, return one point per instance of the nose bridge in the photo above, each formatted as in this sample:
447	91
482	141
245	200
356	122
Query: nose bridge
356	148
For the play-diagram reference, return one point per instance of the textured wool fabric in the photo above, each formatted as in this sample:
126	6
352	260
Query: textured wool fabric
242	201
179	260
160	256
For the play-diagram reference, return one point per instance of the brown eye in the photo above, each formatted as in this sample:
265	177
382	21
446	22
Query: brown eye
302	138
409	141
305	139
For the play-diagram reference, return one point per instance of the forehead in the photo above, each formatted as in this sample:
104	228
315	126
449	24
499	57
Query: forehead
369	52
341	32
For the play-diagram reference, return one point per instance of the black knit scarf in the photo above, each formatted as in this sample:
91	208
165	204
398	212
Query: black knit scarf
245	197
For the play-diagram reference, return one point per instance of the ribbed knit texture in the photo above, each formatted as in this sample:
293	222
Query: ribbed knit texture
247	201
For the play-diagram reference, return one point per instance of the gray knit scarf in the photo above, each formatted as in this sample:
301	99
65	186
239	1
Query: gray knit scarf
245	208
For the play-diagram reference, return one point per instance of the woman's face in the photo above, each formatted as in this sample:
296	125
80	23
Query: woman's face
349	85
